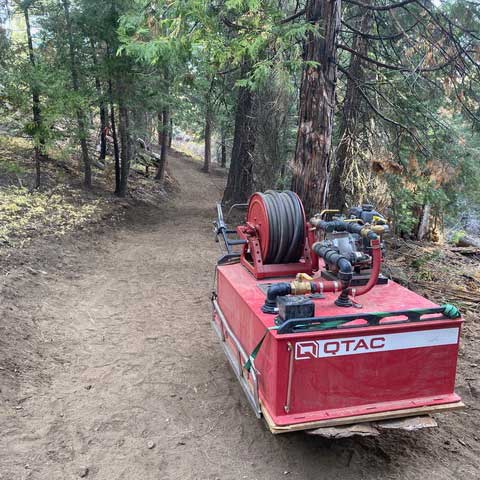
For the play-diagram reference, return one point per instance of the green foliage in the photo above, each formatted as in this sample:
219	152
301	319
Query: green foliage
424	265
11	167
457	236
23	213
192	57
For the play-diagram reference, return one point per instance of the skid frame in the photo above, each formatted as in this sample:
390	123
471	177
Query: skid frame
373	417
248	380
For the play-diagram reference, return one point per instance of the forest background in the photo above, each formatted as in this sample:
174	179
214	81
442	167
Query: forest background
346	102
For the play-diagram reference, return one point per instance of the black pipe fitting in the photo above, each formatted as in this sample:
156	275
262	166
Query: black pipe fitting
340	226
332	257
345	269
274	291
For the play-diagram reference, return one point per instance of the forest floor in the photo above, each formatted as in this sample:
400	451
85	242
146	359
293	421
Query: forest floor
109	368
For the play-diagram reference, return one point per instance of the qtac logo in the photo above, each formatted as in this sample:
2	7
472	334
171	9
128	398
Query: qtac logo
338	347
304	350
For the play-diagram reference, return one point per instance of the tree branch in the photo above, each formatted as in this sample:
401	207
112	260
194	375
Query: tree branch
399	68
381	115
380	8
395	36
292	17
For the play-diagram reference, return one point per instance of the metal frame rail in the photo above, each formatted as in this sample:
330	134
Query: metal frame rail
237	360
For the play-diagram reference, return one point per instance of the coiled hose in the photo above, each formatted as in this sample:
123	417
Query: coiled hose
286	223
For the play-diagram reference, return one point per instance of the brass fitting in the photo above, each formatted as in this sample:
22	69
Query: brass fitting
301	285
378	229
365	231
319	216
378	220
354	220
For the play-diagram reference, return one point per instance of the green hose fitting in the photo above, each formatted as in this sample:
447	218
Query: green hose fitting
451	311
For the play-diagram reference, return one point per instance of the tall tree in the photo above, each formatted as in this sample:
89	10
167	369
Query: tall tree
240	175
82	129
313	156
207	157
38	140
116	149
350	126
125	142
102	107
162	164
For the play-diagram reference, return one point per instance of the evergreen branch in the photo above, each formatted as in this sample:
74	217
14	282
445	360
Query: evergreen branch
395	36
383	116
399	68
380	8
293	17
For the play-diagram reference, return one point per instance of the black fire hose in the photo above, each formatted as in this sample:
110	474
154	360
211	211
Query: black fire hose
286	225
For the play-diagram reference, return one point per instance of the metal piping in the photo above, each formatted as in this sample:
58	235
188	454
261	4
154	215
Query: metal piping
304	284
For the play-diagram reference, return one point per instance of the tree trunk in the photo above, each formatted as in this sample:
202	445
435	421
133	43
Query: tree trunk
208	138
170	133
424	223
350	122
223	149
38	140
313	153
160	129
240	176
162	165
124	149
103	133
101	106
116	151
76	87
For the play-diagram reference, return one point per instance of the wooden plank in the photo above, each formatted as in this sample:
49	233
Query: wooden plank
409	424
373	429
369	417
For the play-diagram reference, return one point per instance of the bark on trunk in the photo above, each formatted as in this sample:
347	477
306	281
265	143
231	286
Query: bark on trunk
101	106
223	150
208	138
240	176
424	223
38	141
350	125
124	149
160	129
87	169
313	153
162	165
116	150
170	133
103	133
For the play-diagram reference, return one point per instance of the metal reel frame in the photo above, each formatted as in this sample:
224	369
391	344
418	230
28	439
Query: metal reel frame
251	257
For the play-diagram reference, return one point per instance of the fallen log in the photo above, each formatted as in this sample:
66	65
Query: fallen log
466	250
468	241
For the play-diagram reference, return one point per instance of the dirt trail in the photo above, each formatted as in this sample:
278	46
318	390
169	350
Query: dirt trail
130	359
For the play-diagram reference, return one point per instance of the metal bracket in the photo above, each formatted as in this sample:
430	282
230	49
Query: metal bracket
221	230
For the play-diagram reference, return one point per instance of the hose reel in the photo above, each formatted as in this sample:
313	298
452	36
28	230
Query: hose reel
279	220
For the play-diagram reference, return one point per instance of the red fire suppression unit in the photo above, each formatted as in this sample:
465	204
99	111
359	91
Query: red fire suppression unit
315	334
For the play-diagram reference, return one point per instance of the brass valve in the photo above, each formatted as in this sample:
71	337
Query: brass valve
302	284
